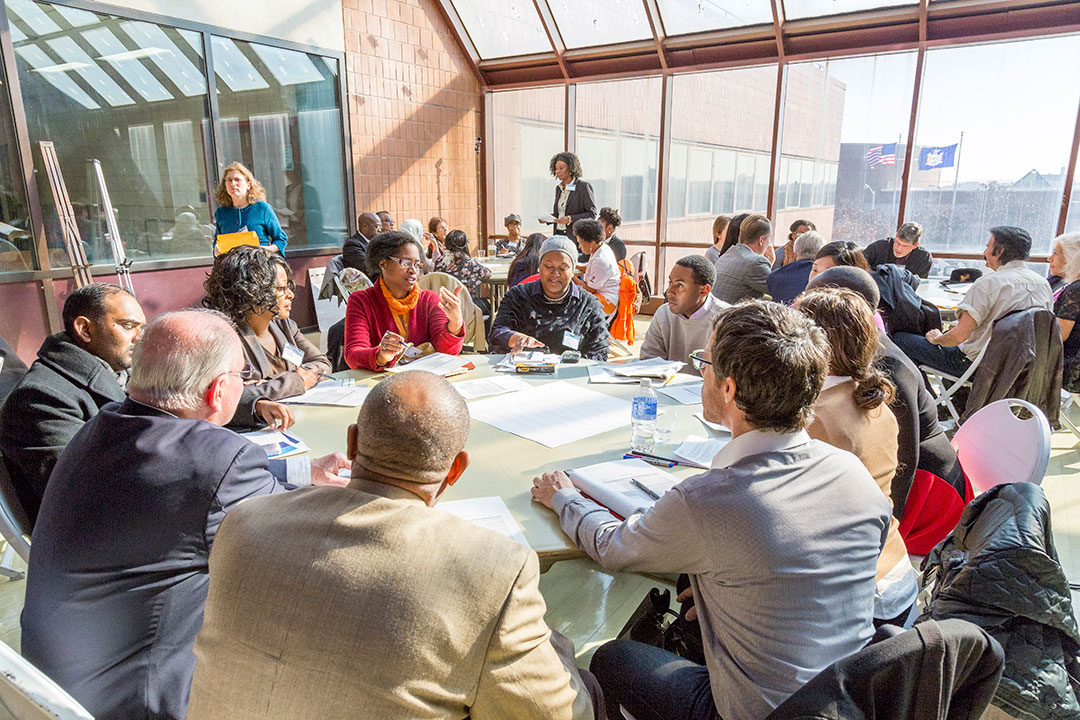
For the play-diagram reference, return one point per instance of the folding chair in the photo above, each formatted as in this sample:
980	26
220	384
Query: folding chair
945	394
29	694
14	525
987	461
1068	399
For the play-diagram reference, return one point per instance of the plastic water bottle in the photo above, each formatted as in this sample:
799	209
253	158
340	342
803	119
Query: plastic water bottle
643	417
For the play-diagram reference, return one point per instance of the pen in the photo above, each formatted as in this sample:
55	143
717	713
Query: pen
644	488
321	374
651	461
643	454
669	380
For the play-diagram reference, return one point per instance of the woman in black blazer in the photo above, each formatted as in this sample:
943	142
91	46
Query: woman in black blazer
580	203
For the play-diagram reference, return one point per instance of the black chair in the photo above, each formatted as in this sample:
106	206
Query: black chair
14	524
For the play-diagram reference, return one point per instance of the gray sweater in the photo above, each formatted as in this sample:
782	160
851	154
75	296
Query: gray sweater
780	538
674	337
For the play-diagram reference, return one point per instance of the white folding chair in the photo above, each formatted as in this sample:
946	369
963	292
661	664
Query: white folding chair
14	525
994	446
945	394
28	694
1068	400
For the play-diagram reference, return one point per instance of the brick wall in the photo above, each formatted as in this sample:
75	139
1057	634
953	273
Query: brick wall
414	107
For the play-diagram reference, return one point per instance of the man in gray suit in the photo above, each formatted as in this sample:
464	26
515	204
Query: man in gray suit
118	573
780	537
367	602
742	271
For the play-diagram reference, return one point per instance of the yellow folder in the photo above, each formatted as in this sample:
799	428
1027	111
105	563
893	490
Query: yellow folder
227	241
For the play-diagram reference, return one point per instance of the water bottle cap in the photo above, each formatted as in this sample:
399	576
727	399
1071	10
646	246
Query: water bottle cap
646	382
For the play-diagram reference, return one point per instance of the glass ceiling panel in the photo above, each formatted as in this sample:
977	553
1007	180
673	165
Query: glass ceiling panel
288	66
796	9
689	16
169	58
33	16
499	28
233	67
77	18
127	64
90	71
55	75
586	23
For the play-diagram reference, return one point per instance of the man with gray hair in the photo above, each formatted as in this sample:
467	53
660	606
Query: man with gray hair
785	283
414	612
118	575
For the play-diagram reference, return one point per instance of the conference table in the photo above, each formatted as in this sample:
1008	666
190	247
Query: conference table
946	300
496	282
504	464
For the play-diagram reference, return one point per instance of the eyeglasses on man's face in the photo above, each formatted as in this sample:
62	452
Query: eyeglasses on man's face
246	373
698	361
407	264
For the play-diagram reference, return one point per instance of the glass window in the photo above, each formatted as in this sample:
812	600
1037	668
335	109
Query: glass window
585	23
781	184
626	113
501	28
847	118
281	117
795	9
728	112
1072	222
761	183
528	132
980	164
16	237
132	95
690	16
699	181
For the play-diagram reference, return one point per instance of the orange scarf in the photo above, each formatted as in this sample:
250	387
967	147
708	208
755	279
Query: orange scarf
401	309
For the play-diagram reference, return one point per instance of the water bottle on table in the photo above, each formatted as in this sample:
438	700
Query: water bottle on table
643	417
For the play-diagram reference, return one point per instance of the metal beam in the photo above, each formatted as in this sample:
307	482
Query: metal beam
570	118
778	109
464	40
661	176
1070	176
487	189
652	12
913	119
554	37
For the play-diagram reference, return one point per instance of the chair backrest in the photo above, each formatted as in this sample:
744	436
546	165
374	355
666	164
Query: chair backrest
28	694
994	446
14	525
472	315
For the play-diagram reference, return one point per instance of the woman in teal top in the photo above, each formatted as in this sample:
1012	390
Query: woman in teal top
242	206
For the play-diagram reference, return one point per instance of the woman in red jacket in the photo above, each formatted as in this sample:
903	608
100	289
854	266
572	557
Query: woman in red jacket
394	311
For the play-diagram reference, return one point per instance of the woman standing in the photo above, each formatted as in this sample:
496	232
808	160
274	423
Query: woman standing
573	196
242	207
380	320
1065	263
254	287
852	414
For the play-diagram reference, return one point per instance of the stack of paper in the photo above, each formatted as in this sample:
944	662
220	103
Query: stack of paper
699	451
278	444
685	394
510	361
617	485
486	512
632	372
438	363
480	387
331	394
553	414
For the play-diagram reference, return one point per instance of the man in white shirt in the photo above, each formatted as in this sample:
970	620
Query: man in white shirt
601	276
1011	287
684	322
780	537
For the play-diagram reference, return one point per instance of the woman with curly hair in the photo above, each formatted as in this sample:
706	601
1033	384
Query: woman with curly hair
573	196
242	207
852	413
254	287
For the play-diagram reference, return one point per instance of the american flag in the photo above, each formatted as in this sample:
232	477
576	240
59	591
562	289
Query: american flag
881	155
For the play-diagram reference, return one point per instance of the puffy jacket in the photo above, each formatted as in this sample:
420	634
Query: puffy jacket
1000	571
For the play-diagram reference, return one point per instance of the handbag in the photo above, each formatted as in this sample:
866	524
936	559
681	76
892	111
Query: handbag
679	636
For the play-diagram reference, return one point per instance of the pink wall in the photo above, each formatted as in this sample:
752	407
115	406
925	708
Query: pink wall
24	326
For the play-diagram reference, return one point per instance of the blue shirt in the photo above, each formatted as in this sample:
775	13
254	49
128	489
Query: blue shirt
785	283
258	217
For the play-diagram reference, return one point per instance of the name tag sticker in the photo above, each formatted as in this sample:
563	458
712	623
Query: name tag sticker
570	340
571	187
292	355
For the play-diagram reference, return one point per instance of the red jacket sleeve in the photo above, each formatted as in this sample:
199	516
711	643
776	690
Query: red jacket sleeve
359	323
438	335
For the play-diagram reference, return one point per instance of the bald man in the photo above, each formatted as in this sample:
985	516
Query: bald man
365	602
354	252
118	576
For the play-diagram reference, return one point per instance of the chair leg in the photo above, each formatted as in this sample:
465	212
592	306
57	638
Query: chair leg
1066	405
5	564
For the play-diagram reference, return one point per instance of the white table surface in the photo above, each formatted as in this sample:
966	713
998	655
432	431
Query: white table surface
504	464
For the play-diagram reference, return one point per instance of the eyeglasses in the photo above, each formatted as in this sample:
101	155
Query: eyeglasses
698	361
407	264
246	373
282	289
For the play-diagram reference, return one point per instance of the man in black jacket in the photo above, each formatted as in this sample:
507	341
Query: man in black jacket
354	252
902	250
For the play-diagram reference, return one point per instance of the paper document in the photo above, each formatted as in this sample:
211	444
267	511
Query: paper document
331	394
715	427
438	363
685	394
481	387
609	483
553	414
631	373
486	512
532	357
652	368
548	218
699	451
277	444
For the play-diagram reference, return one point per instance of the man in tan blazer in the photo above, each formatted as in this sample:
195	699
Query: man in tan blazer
365	602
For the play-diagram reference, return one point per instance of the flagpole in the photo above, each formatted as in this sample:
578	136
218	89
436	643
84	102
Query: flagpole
896	169
956	179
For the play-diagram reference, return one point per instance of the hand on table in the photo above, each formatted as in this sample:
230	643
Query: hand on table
324	470
450	303
389	348
688	595
276	415
310	377
521	341
545	486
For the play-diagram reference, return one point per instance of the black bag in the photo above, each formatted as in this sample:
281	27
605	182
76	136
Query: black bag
680	636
